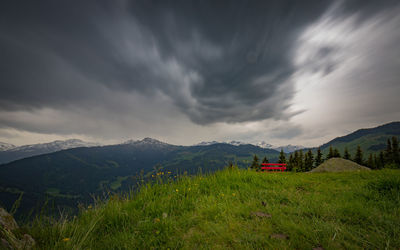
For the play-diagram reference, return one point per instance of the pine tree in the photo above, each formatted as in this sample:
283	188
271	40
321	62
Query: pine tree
370	162
381	160
358	158
318	159
395	151
346	155
296	161
265	160
300	162
388	152
290	165
330	154
282	157
255	165
308	160
336	153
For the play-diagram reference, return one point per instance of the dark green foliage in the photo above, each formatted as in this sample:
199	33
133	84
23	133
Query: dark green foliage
265	160
330	154
388	152
381	160
395	151
346	155
291	163
318	159
282	157
358	158
308	161
336	153
370	162
255	165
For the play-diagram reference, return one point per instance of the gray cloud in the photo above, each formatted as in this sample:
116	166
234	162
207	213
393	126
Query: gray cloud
107	61
216	62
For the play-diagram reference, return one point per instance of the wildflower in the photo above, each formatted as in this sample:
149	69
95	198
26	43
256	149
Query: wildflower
89	207
189	189
222	195
176	190
152	175
169	172
66	239
156	220
233	194
164	215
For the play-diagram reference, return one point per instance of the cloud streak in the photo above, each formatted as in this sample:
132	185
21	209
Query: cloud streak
124	66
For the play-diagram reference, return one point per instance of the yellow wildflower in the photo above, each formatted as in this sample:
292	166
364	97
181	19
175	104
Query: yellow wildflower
89	207
176	190
66	239
233	194
156	220
189	189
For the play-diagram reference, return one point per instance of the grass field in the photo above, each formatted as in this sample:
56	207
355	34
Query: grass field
240	209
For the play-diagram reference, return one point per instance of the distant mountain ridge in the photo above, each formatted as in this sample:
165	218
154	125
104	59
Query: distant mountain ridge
6	146
287	149
371	140
13	153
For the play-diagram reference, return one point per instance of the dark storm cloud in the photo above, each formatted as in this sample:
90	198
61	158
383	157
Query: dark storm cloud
216	61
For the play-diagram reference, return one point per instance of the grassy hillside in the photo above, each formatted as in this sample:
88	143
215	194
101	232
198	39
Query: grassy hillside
241	209
371	140
69	177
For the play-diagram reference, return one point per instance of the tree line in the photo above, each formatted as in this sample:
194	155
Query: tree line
300	161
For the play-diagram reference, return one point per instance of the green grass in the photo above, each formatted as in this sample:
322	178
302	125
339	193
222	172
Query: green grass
353	210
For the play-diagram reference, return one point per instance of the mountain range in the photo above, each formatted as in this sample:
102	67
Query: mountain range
9	152
71	176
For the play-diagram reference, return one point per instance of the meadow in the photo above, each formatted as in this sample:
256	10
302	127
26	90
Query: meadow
238	209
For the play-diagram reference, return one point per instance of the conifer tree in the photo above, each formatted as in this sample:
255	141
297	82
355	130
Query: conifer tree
282	157
358	158
346	154
388	152
300	162
290	163
330	154
395	151
381	160
265	160
255	165
336	153
370	162
318	159
296	160
308	160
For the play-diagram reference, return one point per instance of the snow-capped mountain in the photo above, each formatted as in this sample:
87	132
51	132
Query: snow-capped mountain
206	143
263	144
54	146
146	142
6	146
289	148
20	152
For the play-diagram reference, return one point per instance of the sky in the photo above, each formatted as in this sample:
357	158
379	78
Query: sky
284	72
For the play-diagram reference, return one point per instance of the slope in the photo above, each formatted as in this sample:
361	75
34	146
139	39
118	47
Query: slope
241	209
71	176
371	140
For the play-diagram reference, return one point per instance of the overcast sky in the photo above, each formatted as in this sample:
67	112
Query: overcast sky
298	72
